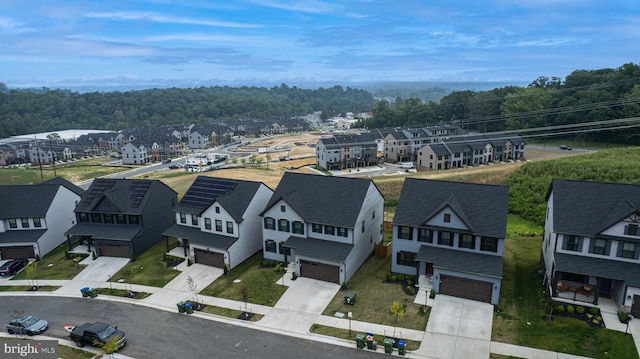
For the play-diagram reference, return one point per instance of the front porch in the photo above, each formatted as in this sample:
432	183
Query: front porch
575	291
425	284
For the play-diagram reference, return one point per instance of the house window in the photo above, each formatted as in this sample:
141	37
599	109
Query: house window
445	238
631	229
330	230
207	223
229	227
108	218
217	209
599	246
316	228
194	219
183	218
82	218
467	241
25	222
218	225
269	223
405	232
284	250
14	224
425	235
121	219
406	259
447	218
572	243
489	244
343	232
297	227
37	223
96	218
283	209
134	219
628	250
270	245
283	225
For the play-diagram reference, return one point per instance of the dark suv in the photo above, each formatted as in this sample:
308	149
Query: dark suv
12	267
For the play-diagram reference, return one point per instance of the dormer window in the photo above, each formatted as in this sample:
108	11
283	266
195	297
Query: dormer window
631	229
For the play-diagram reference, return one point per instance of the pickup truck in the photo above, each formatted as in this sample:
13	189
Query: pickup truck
96	333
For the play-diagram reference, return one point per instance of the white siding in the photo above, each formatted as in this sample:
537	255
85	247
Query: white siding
59	219
277	235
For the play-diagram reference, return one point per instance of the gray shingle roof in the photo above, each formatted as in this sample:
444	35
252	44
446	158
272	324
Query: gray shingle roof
482	207
128	196
196	236
599	267
233	195
104	231
587	208
322	199
29	236
26	201
63	182
320	249
461	261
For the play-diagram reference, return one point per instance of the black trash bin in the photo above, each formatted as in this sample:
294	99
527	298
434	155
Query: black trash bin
188	307
84	291
402	347
360	340
181	308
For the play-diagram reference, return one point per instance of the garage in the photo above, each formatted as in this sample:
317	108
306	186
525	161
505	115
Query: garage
466	288
17	252
115	250
321	271
213	259
635	308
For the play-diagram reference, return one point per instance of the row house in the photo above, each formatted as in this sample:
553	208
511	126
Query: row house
452	234
591	244
134	153
402	145
347	151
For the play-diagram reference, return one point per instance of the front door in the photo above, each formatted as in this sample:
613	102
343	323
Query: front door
429	269
604	287
186	247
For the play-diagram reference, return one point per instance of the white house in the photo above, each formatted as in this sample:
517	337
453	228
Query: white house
327	226
217	220
34	218
591	244
452	233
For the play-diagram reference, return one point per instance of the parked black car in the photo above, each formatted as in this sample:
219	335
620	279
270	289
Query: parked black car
96	334
13	266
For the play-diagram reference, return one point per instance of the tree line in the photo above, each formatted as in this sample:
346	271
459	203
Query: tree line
43	110
584	96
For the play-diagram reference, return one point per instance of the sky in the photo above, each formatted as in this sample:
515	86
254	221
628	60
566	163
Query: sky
165	43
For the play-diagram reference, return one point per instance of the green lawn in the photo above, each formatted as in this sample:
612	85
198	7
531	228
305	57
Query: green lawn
54	265
521	317
121	293
260	283
148	269
345	334
24	288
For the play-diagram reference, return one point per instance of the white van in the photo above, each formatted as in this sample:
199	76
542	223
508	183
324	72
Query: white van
406	165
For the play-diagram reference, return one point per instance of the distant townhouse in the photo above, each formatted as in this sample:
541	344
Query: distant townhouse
404	144
217	221
453	233
34	218
327	226
591	244
347	151
134	153
122	217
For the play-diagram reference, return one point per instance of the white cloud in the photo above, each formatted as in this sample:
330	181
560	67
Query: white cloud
135	16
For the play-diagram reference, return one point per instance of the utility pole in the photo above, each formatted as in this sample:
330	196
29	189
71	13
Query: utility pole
39	157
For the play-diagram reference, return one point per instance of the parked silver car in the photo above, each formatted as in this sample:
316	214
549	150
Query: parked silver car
28	325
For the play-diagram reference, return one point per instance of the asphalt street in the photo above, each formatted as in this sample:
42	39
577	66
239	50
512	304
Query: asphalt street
156	333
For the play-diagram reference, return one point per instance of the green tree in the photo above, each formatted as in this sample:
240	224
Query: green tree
397	309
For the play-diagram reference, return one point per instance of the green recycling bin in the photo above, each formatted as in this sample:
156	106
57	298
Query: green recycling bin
402	347
181	308
188	307
388	345
360	340
350	298
92	292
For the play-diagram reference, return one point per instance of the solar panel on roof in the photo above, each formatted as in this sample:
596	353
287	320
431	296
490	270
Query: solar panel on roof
97	189
205	190
138	191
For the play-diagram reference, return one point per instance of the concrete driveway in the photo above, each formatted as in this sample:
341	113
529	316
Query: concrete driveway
300	306
458	329
101	268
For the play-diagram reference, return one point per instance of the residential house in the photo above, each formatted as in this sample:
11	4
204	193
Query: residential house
123	217
591	244
34	218
453	233
327	226
347	151
217	221
134	153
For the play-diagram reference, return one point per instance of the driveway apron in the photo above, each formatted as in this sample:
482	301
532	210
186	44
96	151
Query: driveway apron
458	329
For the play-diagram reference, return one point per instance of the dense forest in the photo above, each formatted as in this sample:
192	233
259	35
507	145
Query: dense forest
583	96
42	110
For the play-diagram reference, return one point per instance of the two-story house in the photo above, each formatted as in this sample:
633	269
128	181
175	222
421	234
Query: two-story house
327	226
591	244
452	233
217	220
123	217
34	218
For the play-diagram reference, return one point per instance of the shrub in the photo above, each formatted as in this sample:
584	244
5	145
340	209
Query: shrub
394	278
94	256
589	315
189	262
594	310
294	276
560	308
580	309
67	254
624	317
571	308
411	290
278	268
596	322
37	257
432	294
